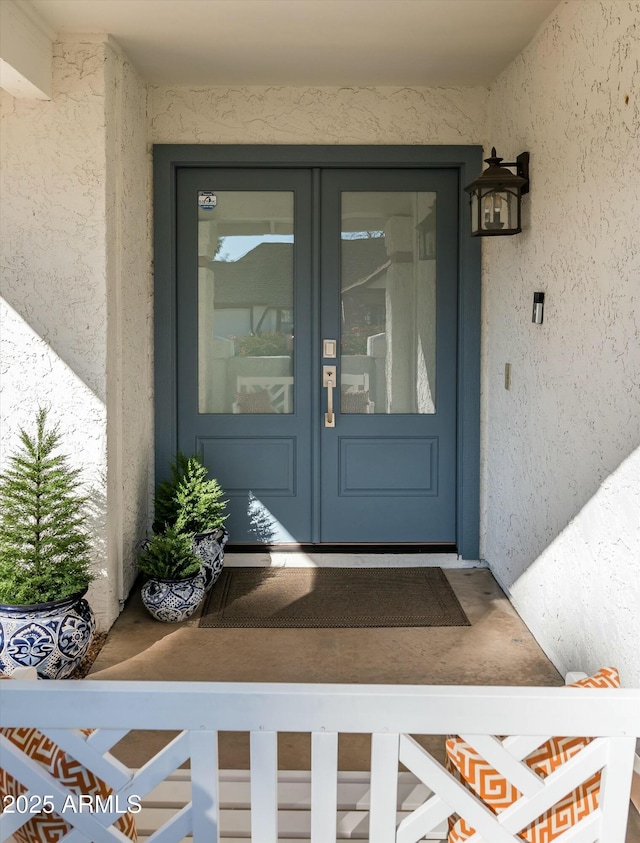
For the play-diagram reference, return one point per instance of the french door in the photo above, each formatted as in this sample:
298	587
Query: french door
316	342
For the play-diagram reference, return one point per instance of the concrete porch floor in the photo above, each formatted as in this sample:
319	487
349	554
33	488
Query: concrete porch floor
497	649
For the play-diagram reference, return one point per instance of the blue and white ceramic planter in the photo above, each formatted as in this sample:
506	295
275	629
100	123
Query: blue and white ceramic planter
210	548
172	601
52	637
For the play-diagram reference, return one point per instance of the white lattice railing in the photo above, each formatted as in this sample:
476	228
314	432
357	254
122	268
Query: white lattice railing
398	806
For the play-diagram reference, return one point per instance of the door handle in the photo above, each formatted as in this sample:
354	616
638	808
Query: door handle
329	381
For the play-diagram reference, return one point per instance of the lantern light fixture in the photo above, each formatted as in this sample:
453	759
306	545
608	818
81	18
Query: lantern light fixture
496	195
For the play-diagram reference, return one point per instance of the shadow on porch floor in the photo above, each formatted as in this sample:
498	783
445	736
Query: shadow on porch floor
497	649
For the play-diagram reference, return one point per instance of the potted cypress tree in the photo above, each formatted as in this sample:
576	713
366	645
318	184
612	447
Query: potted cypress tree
175	584
184	558
45	562
194	503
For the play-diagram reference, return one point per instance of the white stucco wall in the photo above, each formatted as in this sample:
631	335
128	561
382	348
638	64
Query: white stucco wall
60	288
561	455
130	307
316	115
54	308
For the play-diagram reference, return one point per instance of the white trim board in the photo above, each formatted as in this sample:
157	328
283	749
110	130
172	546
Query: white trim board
302	559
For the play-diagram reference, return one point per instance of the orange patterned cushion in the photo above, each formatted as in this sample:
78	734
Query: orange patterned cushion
468	766
52	827
553	822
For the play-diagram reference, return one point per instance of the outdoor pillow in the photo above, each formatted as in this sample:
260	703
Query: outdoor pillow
73	775
258	401
497	793
354	402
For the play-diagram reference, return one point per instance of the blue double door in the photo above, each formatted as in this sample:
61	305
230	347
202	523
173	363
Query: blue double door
316	349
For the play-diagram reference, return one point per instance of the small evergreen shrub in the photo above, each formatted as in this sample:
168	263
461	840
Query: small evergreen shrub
44	542
269	344
354	341
185	504
188	500
169	555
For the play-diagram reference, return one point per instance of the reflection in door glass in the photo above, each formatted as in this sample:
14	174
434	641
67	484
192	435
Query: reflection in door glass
388	305
245	303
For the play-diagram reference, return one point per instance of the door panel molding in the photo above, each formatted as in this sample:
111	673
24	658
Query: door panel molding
274	473
466	160
362	455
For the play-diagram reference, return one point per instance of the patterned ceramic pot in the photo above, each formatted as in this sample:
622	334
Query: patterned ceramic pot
210	548
52	637
171	601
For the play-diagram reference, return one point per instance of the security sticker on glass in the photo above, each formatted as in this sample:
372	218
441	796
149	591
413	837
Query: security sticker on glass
207	200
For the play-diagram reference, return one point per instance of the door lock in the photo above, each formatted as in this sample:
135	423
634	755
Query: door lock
329	348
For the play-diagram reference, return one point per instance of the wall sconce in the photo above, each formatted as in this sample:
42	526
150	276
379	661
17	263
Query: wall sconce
496	196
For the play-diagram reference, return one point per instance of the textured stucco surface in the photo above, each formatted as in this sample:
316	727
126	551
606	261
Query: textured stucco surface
316	115
561	457
54	307
62	285
129	337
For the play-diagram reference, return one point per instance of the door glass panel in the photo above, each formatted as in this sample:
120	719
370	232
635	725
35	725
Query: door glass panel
245	302
388	302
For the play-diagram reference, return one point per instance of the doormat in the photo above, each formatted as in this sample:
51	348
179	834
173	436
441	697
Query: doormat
332	597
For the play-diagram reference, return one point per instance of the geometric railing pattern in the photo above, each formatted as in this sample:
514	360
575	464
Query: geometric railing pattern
394	716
